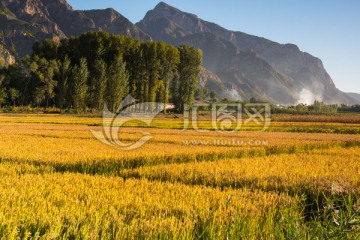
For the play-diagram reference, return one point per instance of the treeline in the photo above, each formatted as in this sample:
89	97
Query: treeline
351	109
84	73
317	107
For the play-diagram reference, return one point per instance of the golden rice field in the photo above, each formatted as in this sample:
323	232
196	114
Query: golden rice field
300	179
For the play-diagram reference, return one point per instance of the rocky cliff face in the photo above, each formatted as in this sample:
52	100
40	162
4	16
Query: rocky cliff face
257	66
111	21
23	22
244	72
5	57
210	80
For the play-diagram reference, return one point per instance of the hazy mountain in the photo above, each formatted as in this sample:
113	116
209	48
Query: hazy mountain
257	66
245	72
22	22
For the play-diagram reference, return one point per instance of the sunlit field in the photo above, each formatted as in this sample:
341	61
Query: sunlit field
299	179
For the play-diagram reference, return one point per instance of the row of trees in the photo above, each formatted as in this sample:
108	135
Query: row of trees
353	108
316	107
95	68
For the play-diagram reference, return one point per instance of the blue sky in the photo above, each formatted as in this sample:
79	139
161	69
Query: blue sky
328	29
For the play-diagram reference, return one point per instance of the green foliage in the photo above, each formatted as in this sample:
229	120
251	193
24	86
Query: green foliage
169	59
335	218
39	96
322	107
63	91
47	49
317	108
3	94
184	85
213	94
115	67
202	93
2	62
79	78
325	130
14	95
45	71
345	108
98	85
117	84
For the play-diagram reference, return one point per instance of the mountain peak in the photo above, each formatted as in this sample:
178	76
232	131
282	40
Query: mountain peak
168	17
162	6
165	9
63	4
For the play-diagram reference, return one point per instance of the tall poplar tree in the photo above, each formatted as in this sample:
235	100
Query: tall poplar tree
188	69
117	84
80	74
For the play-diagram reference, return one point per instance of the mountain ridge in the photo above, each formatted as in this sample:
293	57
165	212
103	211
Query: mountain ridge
249	65
355	96
166	23
23	22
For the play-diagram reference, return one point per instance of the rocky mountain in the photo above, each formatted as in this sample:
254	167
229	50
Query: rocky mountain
244	72
252	65
212	81
236	65
22	22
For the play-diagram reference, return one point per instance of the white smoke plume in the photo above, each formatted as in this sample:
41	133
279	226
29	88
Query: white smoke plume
314	91
306	97
233	95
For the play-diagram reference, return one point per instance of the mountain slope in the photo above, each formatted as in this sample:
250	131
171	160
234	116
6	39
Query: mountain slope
245	72
301	70
111	21
24	22
355	96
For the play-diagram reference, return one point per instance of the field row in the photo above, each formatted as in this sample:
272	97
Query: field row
341	124
333	171
74	148
74	206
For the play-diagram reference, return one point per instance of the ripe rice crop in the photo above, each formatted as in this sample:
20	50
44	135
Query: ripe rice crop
331	171
73	147
324	118
78	206
57	181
